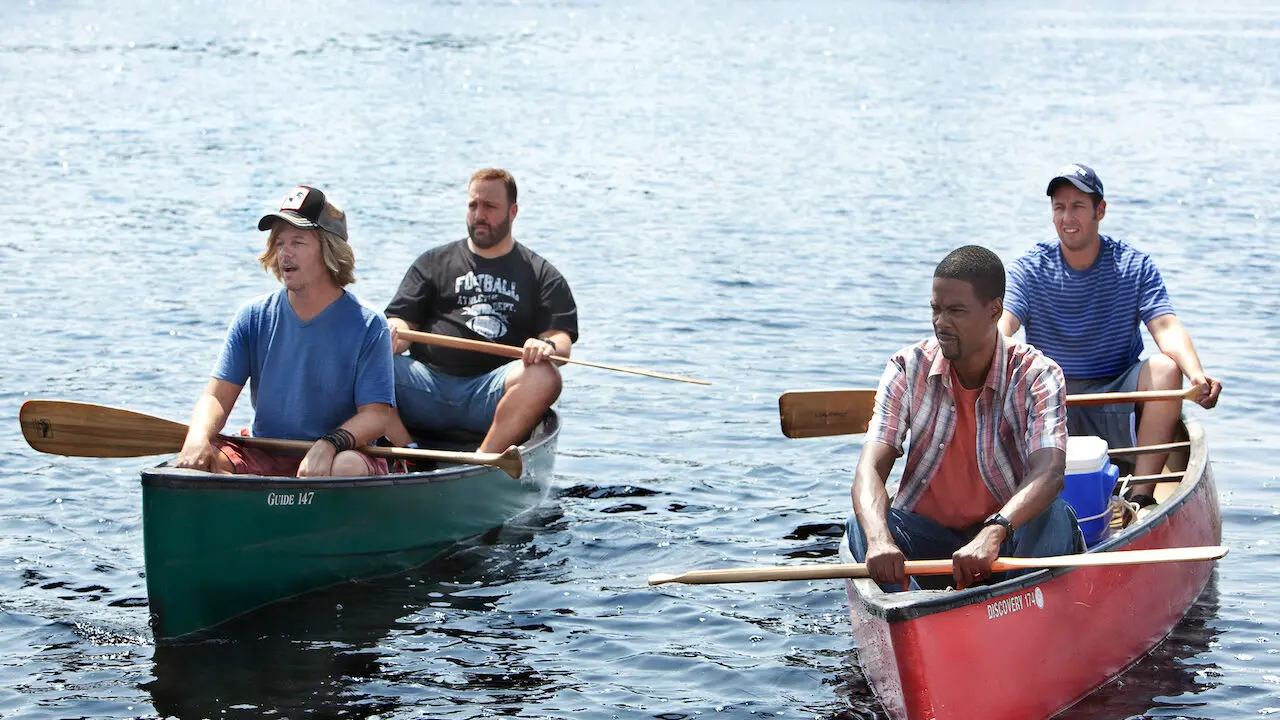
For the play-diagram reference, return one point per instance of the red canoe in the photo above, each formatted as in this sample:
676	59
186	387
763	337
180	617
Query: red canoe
1031	647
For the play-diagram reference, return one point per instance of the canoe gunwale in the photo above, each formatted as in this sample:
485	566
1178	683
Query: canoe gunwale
165	476
898	607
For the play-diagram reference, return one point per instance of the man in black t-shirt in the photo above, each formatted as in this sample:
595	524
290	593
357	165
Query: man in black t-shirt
485	287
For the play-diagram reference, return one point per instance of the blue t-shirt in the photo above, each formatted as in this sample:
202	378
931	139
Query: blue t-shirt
1087	320
307	377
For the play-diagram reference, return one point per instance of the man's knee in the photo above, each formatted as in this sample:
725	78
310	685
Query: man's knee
541	380
1162	373
1053	532
349	463
1061	517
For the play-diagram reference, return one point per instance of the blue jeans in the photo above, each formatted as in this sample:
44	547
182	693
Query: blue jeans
1053	532
431	400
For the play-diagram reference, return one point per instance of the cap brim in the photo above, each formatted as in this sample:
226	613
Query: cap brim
1067	178
288	216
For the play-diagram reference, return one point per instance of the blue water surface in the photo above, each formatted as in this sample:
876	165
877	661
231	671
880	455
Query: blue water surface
751	192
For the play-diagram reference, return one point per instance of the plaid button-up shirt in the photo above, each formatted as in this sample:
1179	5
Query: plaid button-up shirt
1021	409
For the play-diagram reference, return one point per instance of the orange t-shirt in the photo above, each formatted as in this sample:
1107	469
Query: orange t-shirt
956	496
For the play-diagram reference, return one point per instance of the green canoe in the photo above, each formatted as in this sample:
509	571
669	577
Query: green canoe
218	546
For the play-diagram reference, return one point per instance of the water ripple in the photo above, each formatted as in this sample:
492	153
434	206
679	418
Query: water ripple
751	193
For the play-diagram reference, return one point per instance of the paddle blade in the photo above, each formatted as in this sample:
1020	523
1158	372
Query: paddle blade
818	413
84	430
510	462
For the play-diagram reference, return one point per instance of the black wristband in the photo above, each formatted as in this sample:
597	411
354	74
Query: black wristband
340	438
554	348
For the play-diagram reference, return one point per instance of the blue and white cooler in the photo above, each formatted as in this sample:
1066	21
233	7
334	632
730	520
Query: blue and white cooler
1091	478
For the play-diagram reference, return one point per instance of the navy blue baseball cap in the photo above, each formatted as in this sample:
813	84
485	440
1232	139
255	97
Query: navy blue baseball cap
1082	176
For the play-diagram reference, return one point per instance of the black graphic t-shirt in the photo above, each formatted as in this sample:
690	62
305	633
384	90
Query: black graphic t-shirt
450	290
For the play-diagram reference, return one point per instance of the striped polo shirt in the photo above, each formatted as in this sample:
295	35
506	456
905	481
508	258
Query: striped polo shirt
1087	320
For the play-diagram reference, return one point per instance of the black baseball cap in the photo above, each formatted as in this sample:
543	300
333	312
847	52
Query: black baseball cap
1082	176
307	208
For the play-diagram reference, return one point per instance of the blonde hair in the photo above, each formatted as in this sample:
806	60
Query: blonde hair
338	256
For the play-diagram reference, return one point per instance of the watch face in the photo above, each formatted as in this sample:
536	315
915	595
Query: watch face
998	519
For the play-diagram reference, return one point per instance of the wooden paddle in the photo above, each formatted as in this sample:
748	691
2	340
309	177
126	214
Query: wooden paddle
941	567
1135	397
819	413
514	352
84	430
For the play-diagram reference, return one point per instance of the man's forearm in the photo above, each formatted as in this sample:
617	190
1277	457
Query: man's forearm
402	323
368	424
871	507
207	419
870	498
561	340
1044	484
1030	501
1173	340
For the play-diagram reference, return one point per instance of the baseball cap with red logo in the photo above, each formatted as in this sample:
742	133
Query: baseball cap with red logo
307	208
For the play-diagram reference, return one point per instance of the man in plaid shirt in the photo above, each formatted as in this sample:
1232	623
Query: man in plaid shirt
987	420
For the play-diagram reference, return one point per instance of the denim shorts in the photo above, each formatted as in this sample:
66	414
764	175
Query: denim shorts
431	400
1113	423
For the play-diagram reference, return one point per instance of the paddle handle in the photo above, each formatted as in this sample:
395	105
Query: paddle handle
394	453
802	572
458	343
942	567
1134	397
514	353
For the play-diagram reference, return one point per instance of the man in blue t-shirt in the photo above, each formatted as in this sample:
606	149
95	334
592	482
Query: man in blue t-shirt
319	360
1081	299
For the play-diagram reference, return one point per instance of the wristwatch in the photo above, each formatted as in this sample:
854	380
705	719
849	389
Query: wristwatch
1002	521
554	348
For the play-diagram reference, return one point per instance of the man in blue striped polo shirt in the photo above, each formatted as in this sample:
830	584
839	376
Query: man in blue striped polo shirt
1081	299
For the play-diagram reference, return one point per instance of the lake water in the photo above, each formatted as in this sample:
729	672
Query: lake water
750	192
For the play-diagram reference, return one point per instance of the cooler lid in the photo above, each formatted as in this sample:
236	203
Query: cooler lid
1086	454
